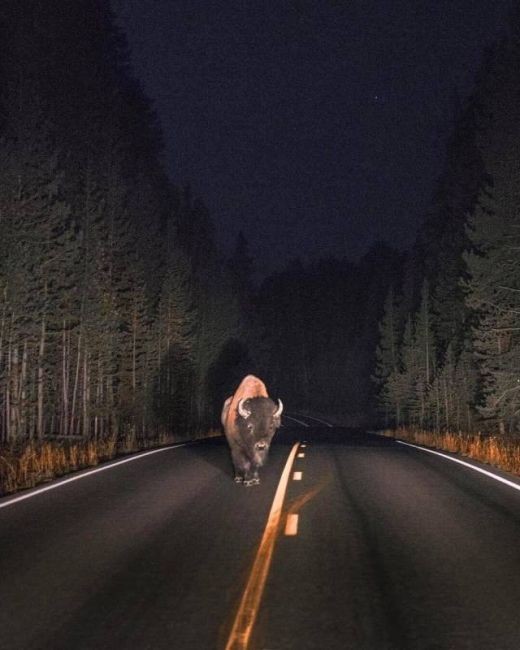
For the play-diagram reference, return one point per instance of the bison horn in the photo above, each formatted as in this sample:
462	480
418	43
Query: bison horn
245	413
279	410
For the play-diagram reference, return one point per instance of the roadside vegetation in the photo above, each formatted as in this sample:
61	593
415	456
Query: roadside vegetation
31	463
499	451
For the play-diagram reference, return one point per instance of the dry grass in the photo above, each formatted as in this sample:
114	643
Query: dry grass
34	462
499	451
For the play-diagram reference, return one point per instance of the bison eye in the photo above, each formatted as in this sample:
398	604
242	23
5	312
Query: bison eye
250	426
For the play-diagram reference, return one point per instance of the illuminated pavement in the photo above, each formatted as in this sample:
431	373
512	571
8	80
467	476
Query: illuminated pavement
379	546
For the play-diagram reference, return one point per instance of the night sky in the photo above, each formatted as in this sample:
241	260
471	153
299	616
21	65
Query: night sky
315	127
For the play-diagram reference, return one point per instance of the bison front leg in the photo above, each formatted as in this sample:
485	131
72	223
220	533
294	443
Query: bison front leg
251	477
241	464
246	472
255	479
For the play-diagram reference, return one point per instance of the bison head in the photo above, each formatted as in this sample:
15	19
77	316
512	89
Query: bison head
259	419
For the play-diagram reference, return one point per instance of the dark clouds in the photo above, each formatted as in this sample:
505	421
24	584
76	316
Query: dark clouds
316	127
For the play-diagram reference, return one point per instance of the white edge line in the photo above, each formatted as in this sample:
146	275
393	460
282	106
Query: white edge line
295	420
318	420
86	473
515	486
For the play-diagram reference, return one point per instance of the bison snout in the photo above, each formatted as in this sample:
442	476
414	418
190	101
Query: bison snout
261	446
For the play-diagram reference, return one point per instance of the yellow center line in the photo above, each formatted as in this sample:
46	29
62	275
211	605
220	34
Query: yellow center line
249	605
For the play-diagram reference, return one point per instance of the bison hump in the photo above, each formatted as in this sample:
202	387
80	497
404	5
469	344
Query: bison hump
251	386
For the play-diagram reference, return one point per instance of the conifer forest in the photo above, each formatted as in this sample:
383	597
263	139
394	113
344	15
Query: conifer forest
119	314
448	355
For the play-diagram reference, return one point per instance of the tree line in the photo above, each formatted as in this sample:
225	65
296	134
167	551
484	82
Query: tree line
113	301
118	313
449	350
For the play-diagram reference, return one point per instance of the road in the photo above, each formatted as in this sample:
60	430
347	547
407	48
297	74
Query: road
393	548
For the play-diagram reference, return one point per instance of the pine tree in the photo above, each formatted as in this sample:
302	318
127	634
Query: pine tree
38	269
387	360
175	335
425	350
405	382
494	285
493	293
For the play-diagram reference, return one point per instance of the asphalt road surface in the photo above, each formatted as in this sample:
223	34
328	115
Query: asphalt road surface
387	547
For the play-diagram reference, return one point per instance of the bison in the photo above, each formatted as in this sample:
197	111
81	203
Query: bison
250	418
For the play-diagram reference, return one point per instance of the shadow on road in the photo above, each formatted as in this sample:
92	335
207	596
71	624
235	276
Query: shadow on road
215	451
347	436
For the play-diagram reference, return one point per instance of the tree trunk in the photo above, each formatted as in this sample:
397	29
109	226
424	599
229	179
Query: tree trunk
40	382
134	346
85	395
14	419
22	394
7	415
446	405
65	384
75	388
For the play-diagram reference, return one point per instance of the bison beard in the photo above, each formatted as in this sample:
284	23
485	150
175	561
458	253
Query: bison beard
250	419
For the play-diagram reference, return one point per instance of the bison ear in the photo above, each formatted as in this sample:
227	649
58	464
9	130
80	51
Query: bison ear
243	410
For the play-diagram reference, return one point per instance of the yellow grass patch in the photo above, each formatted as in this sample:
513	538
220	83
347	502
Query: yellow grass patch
26	465
499	451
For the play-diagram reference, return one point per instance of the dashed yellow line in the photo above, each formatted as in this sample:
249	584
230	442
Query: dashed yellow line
291	525
249	605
